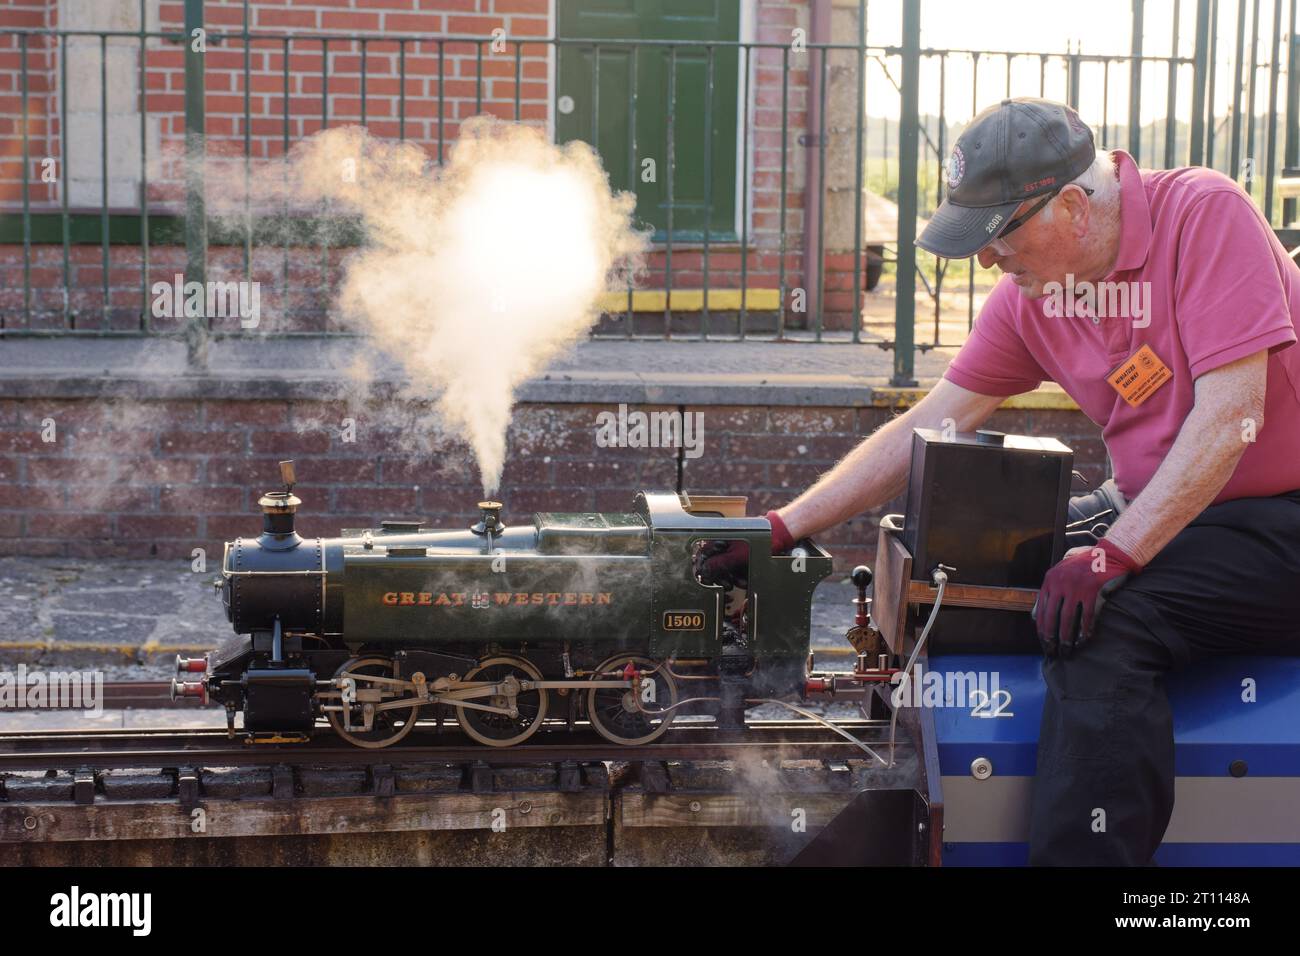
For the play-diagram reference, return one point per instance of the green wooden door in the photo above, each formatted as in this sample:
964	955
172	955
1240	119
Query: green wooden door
598	97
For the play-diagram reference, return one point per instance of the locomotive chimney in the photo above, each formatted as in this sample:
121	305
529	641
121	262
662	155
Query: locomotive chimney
278	509
489	522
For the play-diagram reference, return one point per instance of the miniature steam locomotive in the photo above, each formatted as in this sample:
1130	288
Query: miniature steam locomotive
617	620
602	617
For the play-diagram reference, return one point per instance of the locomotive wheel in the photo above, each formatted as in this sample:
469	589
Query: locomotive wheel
613	711
502	730
387	726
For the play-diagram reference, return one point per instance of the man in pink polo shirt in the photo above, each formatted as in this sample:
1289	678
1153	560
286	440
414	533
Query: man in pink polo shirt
1162	302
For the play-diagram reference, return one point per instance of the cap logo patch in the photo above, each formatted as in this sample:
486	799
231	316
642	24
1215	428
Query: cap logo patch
956	167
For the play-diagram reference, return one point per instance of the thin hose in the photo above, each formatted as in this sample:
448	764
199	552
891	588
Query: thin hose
940	577
636	700
663	710
821	720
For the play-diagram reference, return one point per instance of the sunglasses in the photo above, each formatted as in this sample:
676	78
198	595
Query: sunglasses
1014	224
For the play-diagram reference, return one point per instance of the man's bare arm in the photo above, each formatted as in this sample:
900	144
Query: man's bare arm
876	470
1202	459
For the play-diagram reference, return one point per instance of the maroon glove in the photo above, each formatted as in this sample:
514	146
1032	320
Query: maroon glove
1073	594
725	562
782	540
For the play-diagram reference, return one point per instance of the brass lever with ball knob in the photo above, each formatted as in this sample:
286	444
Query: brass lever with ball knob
864	638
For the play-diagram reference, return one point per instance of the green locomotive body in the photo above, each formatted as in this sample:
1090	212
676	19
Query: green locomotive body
567	617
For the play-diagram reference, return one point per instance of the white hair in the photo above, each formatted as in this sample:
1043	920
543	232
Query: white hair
1102	177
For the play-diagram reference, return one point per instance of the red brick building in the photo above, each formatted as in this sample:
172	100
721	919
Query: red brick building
410	69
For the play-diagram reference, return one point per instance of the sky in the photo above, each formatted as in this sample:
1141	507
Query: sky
1053	26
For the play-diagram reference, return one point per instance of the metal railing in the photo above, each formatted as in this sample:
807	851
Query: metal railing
1190	133
885	74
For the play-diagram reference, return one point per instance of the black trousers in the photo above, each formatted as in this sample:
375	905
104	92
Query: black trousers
1228	583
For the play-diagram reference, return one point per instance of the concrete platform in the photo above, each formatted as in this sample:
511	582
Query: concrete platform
678	371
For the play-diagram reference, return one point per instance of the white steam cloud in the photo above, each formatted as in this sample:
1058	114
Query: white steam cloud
473	276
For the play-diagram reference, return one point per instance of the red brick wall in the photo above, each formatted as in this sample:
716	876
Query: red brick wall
305	304
157	479
455	77
42	101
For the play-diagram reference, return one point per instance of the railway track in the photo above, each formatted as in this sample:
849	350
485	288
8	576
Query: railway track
120	749
568	795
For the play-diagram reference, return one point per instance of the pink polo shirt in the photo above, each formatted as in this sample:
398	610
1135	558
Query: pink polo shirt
1221	288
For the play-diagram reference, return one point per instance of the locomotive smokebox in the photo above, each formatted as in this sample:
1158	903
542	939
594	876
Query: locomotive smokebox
278	579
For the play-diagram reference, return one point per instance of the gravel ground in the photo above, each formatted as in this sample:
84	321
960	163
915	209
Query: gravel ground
128	618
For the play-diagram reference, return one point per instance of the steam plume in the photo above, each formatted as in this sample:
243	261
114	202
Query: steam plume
475	275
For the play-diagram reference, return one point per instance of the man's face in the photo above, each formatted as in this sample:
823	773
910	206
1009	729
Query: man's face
1046	247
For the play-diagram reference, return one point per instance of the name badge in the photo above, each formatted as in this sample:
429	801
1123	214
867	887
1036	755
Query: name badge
1138	376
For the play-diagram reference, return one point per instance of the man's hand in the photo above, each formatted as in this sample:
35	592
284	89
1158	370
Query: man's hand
726	562
1073	593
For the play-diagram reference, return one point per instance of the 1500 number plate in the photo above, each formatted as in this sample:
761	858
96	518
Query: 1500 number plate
683	620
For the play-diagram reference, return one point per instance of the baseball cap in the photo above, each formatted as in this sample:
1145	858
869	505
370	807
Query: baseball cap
1021	148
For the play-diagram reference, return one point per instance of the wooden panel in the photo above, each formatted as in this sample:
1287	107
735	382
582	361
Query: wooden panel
729	506
150	820
974	595
894	592
727	809
892	575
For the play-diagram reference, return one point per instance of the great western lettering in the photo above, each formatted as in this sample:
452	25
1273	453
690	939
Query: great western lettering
499	598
